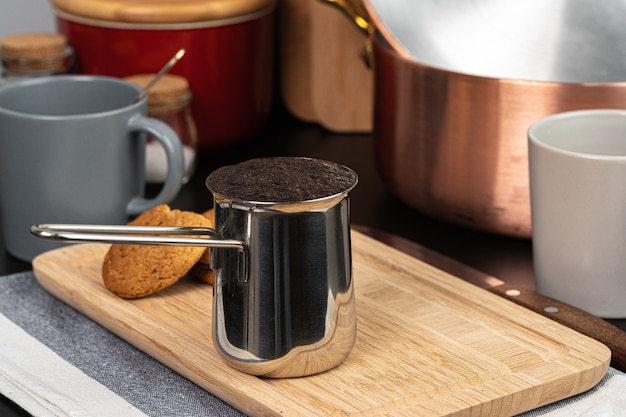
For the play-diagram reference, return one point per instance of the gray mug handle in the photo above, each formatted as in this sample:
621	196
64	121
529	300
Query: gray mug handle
175	163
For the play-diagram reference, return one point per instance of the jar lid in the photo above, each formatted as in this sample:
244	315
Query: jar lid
160	11
168	93
168	88
33	45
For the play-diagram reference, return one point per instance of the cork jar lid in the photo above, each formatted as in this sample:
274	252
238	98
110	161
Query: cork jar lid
159	11
170	93
33	45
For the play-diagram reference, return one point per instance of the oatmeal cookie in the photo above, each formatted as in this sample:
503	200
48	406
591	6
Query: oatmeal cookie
133	271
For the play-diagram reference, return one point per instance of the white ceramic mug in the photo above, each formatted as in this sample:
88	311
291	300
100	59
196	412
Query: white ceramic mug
72	149
578	197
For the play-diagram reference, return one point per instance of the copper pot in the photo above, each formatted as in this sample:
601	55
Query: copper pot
451	141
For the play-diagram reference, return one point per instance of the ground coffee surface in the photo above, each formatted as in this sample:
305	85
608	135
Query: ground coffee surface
281	180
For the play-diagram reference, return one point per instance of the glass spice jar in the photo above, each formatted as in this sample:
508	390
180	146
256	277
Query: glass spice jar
34	54
169	101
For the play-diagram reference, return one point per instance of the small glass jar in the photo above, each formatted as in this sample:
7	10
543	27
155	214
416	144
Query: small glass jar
34	54
169	100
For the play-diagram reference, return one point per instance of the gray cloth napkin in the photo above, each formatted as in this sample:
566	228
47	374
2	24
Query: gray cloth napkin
158	391
143	381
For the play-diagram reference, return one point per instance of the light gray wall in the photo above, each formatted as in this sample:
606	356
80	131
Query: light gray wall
18	16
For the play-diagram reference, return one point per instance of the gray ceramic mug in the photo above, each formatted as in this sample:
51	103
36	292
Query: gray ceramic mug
72	149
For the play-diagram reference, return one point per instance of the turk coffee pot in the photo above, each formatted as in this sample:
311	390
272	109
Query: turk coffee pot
283	302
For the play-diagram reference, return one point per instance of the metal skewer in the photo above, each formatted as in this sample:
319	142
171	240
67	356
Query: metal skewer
168	66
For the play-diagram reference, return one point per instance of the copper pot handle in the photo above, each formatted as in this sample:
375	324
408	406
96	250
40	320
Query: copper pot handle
355	12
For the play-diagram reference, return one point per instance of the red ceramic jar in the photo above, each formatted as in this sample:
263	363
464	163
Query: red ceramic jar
228	62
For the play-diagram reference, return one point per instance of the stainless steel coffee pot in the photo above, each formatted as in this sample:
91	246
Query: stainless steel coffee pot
283	302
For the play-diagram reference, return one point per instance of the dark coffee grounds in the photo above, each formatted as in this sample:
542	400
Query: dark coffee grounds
281	180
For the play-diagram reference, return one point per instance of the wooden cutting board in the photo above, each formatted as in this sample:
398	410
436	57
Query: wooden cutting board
428	343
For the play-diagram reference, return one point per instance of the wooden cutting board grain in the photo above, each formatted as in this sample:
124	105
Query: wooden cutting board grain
428	343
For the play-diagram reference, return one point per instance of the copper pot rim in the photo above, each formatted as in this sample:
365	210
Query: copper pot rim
381	43
382	36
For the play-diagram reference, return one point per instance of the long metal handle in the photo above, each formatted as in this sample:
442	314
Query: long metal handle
140	235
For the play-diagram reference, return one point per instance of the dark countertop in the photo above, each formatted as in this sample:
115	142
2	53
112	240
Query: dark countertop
372	205
509	259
